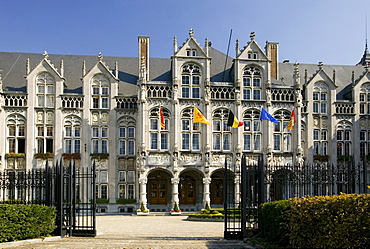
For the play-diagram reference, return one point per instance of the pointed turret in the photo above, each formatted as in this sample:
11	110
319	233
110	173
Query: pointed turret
365	60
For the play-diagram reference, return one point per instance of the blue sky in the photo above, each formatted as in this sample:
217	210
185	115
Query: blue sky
331	31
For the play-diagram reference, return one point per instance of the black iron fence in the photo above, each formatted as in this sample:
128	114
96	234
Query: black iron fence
69	188
255	183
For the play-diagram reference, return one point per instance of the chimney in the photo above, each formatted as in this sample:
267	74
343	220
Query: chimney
144	53
272	54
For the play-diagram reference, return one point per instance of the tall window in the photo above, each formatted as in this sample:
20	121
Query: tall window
100	139
16	134
102	184
320	141
45	90
126	183
126	137
344	138
44	132
159	137
252	133
320	98
190	81
72	135
190	132
252	83
282	136
100	92
221	133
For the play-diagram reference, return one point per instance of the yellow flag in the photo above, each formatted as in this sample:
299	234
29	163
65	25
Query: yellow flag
199	118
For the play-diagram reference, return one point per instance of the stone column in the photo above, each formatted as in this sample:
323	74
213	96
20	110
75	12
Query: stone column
175	192
206	192
142	183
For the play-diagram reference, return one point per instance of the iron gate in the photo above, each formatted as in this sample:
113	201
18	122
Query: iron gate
69	188
252	183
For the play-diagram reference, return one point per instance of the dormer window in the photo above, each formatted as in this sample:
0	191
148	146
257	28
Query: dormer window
191	52
251	83
100	92
252	55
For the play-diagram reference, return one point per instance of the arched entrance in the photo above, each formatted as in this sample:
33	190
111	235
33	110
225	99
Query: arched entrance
282	185
191	190
217	187
159	187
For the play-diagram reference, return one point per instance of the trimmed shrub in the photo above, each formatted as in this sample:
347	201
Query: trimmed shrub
20	222
339	221
125	201
273	222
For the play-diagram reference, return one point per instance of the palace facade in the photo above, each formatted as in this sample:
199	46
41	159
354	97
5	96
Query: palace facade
107	110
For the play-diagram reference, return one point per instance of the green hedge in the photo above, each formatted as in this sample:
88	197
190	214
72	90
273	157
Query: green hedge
125	201
340	221
206	216
19	222
273	222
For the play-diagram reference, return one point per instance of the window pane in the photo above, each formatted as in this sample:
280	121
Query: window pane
257	142
11	130
95	146
186	92
185	125
122	132
196	92
40	89
247	125
104	132
104	102
68	146
21	132
247	142
104	91
95	90
153	141
130	176
77	131
164	141
196	80
216	141
131	147
49	131
185	80
11	145
227	141
104	146
40	131
257	82
122	147
185	141
154	124
277	142
256	125
246	82
77	146
316	107
195	141
130	191
95	103
122	189
246	94
216	125
50	89
256	94
68	131
131	132
95	132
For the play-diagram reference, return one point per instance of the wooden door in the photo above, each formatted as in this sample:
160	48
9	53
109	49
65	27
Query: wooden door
187	191
217	192
158	192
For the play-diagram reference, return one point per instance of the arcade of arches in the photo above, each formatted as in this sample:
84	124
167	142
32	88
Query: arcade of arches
191	189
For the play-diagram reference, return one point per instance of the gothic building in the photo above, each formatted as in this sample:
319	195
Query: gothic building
107	110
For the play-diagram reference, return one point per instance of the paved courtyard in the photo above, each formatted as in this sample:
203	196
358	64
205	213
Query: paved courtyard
154	232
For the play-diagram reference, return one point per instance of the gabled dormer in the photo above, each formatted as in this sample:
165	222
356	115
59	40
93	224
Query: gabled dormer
320	92
190	48
191	68
101	85
44	82
252	51
361	92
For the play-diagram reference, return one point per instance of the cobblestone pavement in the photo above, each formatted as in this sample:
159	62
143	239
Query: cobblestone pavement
153	232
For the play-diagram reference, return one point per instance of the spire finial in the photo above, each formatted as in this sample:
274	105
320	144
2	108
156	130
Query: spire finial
191	32
100	56
252	35
46	55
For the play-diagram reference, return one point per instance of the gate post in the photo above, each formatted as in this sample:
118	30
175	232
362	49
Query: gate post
243	195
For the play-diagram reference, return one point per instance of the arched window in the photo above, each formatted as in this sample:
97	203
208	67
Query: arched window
190	132
126	137
159	138
252	133
45	132
252	79
344	138
72	135
282	136
320	98
100	92
221	133
45	90
190	81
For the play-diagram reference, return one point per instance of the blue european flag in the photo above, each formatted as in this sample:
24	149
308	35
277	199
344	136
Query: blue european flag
267	116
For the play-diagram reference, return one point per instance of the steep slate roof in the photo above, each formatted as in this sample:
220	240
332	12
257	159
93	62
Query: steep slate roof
13	66
343	74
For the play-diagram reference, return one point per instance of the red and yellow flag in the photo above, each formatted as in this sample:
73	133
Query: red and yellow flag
163	125
293	119
199	118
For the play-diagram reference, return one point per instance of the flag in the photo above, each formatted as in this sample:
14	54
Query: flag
293	119
163	125
233	121
267	116
199	118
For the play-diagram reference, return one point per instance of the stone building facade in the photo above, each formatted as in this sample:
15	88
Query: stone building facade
107	110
